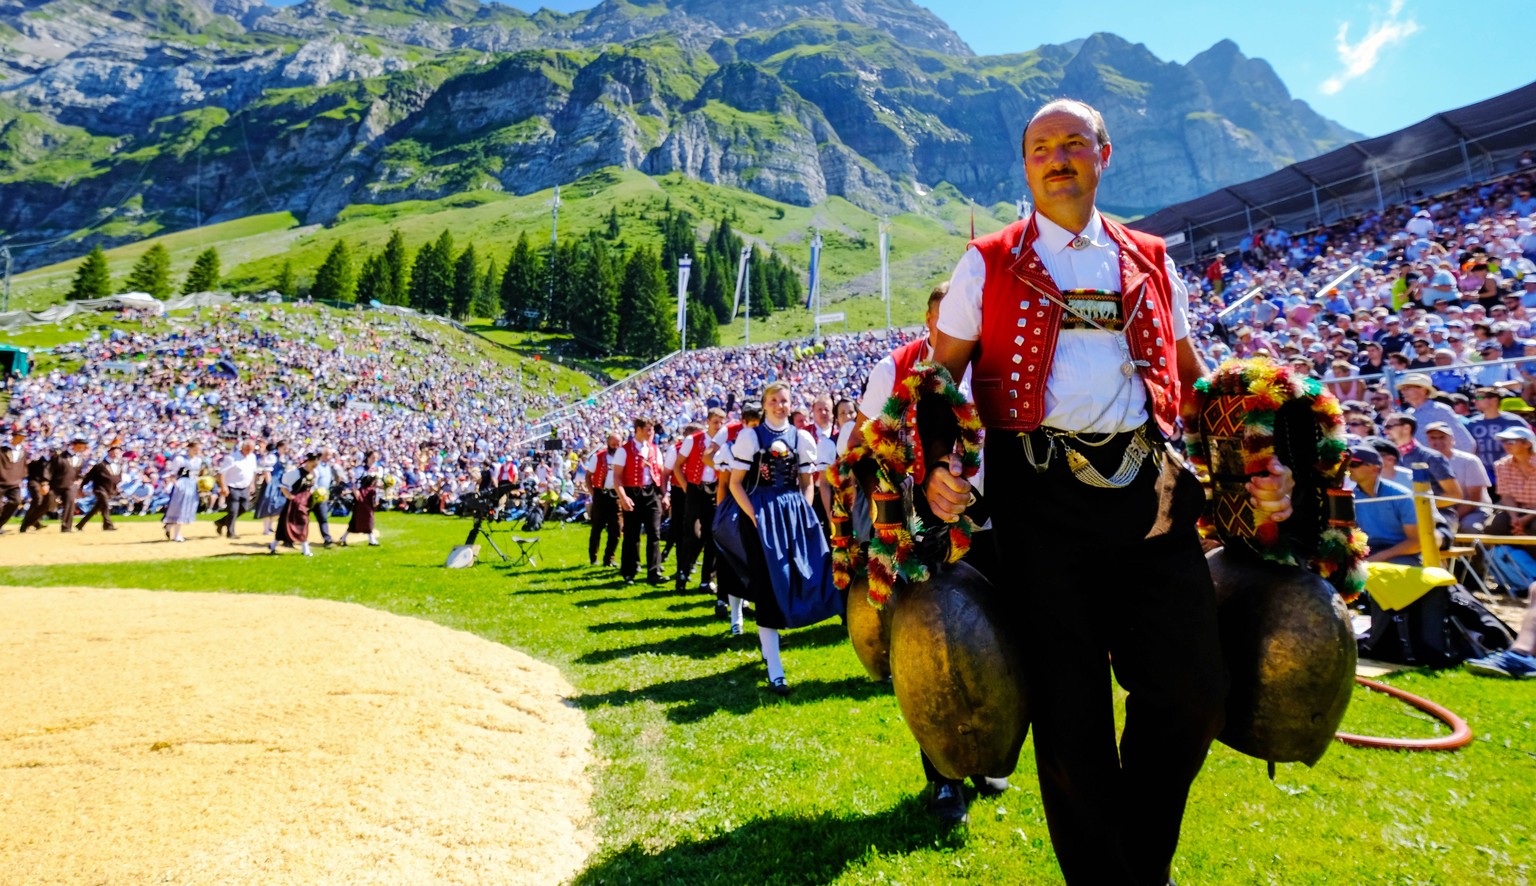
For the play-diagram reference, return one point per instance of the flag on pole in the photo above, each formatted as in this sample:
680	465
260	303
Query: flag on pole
683	265
815	281
885	262
741	277
973	220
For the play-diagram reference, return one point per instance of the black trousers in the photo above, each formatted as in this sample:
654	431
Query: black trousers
698	536
605	518
237	502
645	517
322	514
102	505
40	505
10	503
1110	581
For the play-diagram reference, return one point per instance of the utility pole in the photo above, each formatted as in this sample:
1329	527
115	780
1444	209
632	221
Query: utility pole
684	265
5	255
746	263
885	269
554	249
815	299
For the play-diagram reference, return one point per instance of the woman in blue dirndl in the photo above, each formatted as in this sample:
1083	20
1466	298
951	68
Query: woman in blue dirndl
182	508
271	502
769	531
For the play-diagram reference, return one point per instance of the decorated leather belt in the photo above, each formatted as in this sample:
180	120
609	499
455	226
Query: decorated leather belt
711	486
611	493
1136	455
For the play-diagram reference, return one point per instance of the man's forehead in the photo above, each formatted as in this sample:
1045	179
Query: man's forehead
1059	122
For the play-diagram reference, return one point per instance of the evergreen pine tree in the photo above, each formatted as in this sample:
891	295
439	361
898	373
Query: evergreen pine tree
93	279
205	274
485	305
519	282
762	299
421	279
373	280
335	280
466	282
286	285
648	327
152	273
441	289
593	295
613	223
396	263
703	331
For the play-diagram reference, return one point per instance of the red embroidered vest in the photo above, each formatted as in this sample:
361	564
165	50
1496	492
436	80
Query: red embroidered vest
636	457
600	474
677	449
1019	326
693	468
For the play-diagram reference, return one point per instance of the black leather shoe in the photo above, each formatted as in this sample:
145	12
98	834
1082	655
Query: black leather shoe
947	803
989	787
778	686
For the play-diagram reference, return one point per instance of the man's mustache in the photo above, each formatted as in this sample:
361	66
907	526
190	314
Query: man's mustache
1061	172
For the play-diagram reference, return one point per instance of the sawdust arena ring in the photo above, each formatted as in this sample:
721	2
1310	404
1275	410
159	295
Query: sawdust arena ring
198	738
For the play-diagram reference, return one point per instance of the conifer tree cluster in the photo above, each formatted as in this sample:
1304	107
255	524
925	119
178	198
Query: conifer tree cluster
610	296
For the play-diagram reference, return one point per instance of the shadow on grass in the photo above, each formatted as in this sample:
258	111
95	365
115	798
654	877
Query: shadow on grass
782	849
711	644
646	624
740	690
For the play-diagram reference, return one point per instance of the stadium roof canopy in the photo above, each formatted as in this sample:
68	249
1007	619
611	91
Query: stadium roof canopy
1450	149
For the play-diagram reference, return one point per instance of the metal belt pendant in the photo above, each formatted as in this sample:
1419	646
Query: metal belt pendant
1130	465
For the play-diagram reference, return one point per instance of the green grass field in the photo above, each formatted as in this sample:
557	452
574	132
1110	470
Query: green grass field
705	777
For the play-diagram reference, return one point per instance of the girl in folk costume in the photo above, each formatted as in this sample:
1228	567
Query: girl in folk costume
770	529
364	504
293	521
182	508
273	466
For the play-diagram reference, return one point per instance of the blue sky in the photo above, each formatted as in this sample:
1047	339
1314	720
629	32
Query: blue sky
1372	66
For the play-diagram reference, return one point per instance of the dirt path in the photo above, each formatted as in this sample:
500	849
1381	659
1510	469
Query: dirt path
134	542
211	738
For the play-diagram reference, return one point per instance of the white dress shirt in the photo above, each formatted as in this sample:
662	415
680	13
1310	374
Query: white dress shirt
239	472
1086	390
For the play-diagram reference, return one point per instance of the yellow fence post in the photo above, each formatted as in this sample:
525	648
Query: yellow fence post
1424	509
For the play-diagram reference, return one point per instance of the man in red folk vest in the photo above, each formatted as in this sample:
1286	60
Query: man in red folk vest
638	476
603	509
697	475
1075	331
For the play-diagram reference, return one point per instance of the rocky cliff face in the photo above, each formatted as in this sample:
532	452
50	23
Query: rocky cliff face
118	118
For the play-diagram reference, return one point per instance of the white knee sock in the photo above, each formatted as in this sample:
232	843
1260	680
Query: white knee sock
306	547
373	537
769	638
735	610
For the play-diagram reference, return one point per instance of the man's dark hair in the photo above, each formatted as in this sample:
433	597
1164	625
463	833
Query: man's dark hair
1401	418
938	293
643	422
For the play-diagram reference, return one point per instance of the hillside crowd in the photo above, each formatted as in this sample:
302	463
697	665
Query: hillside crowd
1440	287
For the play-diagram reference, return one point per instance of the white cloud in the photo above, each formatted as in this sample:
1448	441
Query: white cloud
1360	57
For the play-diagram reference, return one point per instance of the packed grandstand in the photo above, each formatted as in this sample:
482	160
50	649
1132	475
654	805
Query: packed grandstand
1442	283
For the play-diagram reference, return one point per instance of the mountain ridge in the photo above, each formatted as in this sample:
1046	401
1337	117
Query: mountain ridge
181	112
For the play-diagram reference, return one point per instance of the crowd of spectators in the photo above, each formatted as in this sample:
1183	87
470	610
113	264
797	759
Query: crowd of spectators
1438	289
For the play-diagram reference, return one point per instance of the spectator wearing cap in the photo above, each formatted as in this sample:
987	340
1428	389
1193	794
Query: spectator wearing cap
1446	375
1496	413
1391	335
1499	374
1515	475
1415	389
1470	475
1383	511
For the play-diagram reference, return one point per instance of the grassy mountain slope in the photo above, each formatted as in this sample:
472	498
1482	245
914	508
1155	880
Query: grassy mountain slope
924	247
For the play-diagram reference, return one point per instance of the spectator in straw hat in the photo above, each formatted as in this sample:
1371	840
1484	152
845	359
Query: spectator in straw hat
1415	388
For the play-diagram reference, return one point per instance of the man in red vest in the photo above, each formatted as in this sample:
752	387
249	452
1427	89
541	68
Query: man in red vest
603	509
1076	332
638	477
696	472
